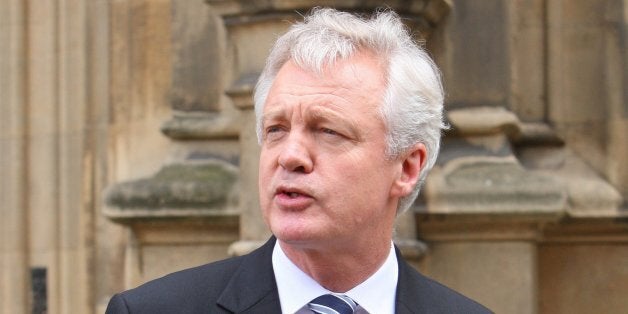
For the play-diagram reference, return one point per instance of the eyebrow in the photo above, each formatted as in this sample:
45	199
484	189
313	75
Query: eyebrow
276	114
323	114
317	114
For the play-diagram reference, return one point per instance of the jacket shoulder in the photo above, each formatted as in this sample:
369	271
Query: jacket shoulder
193	290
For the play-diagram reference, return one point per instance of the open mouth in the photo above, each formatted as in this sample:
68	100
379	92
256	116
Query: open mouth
291	193
292	199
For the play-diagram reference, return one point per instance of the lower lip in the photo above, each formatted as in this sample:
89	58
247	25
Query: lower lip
293	203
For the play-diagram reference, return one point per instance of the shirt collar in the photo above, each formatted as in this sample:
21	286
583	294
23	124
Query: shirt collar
375	295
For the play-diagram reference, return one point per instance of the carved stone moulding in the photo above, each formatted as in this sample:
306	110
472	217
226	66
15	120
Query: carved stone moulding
430	10
500	178
191	190
184	215
264	20
202	125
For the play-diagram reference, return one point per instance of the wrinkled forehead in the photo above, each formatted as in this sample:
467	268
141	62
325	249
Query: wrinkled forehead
329	62
356	83
360	78
361	73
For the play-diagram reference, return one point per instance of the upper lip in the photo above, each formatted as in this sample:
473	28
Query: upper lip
290	189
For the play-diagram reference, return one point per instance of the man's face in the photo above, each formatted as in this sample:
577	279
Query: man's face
324	178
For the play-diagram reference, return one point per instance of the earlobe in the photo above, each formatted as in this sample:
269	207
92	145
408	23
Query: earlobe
411	165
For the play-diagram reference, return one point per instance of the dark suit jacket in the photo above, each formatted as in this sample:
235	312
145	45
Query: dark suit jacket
246	284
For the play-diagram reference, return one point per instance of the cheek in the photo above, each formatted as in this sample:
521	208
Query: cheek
264	168
372	179
264	177
355	180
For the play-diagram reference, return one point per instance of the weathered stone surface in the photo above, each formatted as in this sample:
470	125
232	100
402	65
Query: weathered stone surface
159	247
482	269
196	76
586	68
482	120
470	146
241	92
177	186
472	51
485	121
203	126
490	185
432	10
589	195
583	278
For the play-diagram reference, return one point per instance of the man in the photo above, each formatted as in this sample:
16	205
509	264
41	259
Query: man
349	115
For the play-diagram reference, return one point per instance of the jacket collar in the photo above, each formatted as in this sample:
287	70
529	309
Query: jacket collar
410	285
252	289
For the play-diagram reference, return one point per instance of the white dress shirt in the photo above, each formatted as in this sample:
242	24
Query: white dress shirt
296	289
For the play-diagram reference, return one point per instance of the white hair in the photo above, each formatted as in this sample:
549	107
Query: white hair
412	106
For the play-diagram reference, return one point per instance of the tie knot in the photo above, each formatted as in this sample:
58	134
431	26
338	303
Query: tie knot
333	304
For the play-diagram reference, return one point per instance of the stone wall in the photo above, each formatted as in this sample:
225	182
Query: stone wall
128	150
53	104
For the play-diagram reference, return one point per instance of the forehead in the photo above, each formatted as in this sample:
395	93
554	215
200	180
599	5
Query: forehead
358	81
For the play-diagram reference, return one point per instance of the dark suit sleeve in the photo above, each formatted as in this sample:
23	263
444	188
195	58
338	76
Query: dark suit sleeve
244	284
117	305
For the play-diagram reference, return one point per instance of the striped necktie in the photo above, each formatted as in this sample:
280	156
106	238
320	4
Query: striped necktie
333	304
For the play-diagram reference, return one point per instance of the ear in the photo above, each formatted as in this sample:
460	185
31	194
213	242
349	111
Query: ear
411	164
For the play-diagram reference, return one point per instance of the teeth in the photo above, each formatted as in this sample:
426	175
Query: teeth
293	194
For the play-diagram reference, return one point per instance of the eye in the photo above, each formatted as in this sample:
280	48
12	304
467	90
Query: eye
273	129
329	131
334	136
273	132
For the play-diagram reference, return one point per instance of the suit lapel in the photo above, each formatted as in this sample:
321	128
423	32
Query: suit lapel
252	289
410	295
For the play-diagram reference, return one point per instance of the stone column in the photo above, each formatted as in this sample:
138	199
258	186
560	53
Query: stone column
42	149
616	85
14	270
579	75
74	165
489	206
47	157
185	213
486	211
500	273
253	231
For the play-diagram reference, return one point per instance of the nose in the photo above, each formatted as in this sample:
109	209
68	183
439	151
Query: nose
295	155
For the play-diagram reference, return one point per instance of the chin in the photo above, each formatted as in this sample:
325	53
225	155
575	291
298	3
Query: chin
290	236
297	228
295	236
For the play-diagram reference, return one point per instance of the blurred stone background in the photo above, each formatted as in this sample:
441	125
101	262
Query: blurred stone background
127	147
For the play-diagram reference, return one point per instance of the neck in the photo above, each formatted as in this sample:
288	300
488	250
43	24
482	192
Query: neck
339	269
